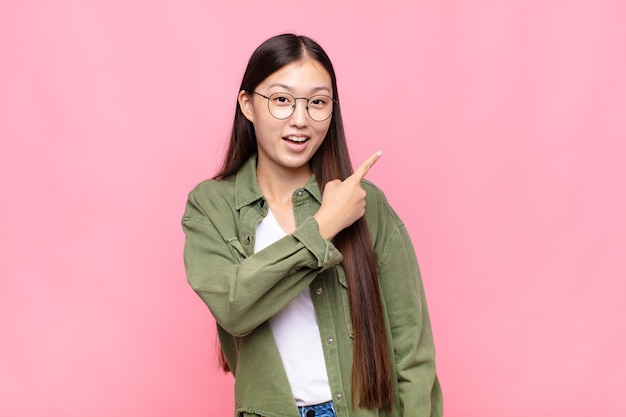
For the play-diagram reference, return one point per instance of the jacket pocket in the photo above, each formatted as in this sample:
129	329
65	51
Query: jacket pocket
236	248
345	300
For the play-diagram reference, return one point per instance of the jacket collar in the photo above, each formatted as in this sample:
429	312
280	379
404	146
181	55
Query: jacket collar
248	191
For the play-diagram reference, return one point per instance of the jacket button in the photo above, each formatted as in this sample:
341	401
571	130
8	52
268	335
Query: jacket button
247	240
339	396
319	291
300	193
330	340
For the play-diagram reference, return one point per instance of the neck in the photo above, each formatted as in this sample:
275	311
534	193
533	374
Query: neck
278	185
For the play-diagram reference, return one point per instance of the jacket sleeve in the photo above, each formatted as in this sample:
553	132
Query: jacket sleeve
412	339
243	291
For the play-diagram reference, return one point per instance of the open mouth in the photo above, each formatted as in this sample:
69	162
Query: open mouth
296	139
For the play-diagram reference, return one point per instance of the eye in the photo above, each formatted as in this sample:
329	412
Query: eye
319	101
281	99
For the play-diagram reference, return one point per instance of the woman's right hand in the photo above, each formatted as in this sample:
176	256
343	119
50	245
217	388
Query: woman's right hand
343	202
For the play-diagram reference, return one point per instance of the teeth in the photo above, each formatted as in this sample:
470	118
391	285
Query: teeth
297	138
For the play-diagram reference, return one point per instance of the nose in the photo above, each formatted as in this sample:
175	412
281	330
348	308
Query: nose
300	113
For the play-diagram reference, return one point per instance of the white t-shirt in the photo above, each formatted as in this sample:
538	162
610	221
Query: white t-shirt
297	334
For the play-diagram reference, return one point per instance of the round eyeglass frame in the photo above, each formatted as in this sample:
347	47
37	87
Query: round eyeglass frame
293	107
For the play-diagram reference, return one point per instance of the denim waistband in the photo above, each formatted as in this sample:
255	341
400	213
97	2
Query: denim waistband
319	410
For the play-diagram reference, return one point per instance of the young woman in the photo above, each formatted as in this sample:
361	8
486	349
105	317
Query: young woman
309	273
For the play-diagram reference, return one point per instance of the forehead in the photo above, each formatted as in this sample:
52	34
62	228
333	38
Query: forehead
304	75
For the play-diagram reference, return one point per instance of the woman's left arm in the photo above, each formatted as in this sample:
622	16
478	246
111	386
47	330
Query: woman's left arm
407	312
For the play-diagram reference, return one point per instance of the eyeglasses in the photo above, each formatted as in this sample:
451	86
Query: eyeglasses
282	105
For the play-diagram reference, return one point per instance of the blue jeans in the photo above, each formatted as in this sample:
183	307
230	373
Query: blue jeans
319	410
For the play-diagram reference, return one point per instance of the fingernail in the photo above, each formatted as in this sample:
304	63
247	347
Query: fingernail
379	153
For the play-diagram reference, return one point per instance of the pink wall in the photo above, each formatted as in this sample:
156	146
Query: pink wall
503	126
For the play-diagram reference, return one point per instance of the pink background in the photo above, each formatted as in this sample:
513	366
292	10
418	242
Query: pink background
503	126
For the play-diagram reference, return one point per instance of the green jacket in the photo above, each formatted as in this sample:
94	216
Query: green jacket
244	289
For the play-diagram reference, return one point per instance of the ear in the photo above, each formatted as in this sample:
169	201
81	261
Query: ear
245	103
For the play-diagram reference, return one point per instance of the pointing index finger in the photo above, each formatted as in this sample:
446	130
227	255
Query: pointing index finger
367	165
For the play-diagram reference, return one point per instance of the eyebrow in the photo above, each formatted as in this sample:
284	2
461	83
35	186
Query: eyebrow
285	86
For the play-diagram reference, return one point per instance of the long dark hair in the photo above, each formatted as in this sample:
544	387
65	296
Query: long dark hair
371	371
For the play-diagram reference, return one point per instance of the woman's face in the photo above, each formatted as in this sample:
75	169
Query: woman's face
288	144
